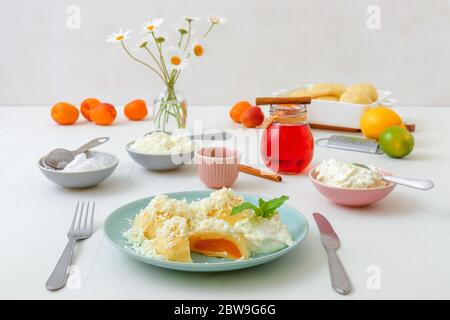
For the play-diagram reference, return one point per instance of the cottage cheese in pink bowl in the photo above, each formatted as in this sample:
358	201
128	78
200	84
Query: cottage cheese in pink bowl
217	167
348	185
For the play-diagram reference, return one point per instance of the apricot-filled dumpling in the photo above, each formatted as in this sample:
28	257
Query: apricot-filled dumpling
216	238
172	240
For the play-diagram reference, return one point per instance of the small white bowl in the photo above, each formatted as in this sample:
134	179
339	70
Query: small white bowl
82	179
159	162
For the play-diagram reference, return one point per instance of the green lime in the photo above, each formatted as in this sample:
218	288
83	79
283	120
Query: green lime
396	142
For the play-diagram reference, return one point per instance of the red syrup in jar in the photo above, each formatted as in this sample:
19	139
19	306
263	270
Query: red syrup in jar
287	145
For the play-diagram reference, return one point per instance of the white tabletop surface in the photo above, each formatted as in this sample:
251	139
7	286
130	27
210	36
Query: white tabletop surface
406	236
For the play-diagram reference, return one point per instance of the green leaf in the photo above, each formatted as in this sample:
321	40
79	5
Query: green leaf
244	206
272	205
266	209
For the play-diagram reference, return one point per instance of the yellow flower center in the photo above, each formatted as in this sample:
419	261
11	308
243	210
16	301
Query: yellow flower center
120	38
175	60
198	50
151	28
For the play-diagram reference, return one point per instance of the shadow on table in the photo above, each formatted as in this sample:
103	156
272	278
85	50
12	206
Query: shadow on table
395	204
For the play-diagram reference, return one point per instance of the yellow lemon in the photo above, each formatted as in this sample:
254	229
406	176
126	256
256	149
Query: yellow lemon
375	120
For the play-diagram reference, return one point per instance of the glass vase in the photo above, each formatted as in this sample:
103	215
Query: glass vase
170	110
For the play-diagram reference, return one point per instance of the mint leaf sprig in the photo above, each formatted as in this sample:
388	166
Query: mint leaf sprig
265	209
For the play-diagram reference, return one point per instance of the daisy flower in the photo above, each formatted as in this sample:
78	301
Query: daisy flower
152	25
118	36
198	49
189	18
177	59
213	19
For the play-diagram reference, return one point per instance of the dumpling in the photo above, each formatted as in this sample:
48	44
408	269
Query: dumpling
303	92
216	238
328	98
172	240
365	88
327	89
356	97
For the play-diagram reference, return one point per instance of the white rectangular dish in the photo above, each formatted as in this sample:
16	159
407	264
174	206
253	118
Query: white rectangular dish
336	114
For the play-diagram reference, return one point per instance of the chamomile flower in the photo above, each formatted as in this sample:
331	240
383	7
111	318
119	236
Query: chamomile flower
118	36
213	19
152	25
189	18
177	58
198	49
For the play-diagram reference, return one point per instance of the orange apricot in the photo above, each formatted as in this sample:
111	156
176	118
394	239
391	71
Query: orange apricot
135	110
87	105
252	117
103	114
64	113
238	109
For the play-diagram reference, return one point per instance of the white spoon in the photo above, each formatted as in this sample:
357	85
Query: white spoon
407	182
59	158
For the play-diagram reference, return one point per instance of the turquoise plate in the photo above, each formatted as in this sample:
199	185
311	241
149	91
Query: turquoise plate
119	221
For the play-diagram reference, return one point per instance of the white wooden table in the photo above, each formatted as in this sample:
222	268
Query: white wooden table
405	237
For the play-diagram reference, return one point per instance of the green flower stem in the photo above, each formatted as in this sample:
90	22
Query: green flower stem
181	40
142	62
156	60
188	36
163	62
209	30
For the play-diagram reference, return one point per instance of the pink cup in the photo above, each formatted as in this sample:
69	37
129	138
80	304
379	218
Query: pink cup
217	166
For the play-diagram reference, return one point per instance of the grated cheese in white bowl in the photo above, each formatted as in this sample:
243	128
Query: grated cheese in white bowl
162	143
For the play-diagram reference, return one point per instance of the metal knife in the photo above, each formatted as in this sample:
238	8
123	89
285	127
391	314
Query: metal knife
339	279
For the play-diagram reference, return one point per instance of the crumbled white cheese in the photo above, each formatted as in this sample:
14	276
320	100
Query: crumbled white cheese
173	229
213	225
345	175
82	163
162	143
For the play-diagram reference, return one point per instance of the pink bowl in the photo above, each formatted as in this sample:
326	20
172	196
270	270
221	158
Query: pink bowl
351	197
217	167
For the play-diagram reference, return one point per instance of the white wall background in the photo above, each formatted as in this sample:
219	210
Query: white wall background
266	45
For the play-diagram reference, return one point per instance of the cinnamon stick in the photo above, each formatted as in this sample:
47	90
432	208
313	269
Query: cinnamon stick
259	173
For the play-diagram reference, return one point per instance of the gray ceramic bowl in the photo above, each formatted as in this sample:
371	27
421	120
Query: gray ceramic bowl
159	162
83	179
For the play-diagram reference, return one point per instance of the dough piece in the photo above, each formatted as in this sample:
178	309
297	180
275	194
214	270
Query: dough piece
172	240
327	89
356	97
300	93
366	88
329	98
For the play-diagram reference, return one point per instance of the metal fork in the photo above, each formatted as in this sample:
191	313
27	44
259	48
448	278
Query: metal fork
81	228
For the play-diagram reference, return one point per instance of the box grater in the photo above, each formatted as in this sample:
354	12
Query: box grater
350	143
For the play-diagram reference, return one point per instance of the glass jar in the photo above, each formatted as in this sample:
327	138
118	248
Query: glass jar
287	144
170	110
